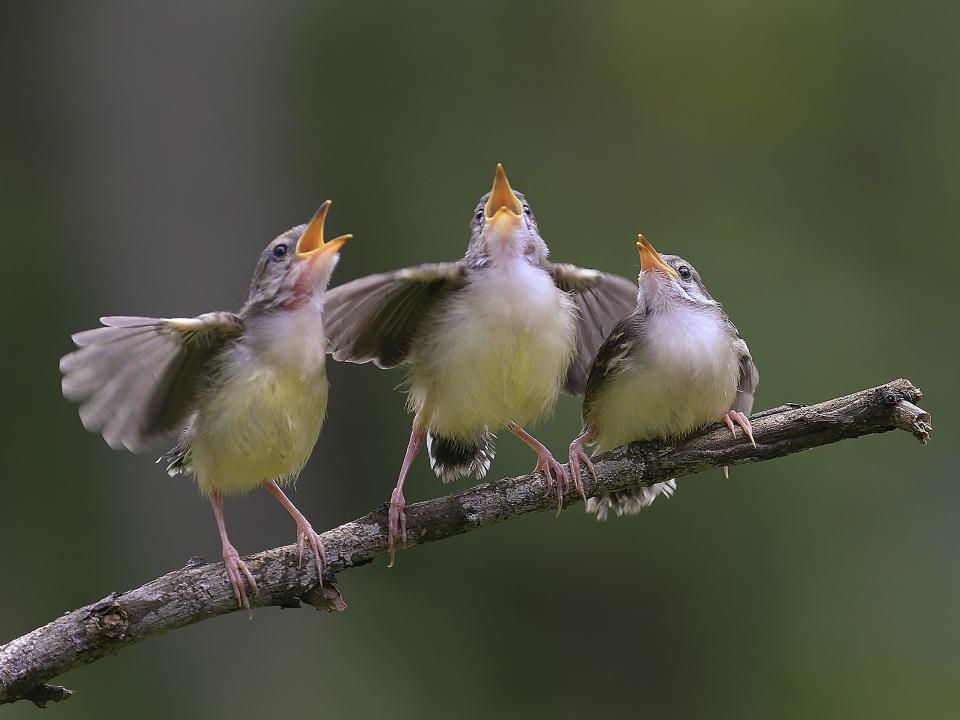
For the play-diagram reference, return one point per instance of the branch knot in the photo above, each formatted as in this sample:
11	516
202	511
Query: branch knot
107	620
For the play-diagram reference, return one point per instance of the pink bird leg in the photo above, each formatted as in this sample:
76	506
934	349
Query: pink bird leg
305	532
236	568
546	463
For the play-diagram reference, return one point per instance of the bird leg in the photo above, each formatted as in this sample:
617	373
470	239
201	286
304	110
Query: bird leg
735	416
236	568
546	463
397	518
305	532
578	453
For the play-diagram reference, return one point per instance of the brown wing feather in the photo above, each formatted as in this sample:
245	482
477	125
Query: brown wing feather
603	300
375	318
136	377
749	379
626	336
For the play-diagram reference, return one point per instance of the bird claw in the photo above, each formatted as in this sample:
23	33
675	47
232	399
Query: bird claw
237	571
734	419
554	474
396	524
306	533
578	454
741	420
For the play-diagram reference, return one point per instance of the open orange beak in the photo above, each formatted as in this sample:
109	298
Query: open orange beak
503	203
650	259
311	244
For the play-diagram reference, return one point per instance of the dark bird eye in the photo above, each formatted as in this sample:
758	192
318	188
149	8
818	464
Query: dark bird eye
279	250
478	215
526	210
684	272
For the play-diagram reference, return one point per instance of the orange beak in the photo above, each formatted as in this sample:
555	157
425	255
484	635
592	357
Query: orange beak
650	259
503	204
311	244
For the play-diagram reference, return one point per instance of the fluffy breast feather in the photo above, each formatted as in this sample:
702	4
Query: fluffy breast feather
683	374
497	351
261	417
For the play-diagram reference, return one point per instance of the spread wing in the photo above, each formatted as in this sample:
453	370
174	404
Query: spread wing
375	318
749	379
136	377
602	300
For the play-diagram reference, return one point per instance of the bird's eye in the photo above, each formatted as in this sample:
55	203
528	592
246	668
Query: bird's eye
526	210
478	215
279	250
684	272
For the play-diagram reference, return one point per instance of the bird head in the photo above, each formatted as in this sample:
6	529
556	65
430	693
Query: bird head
297	265
667	279
503	227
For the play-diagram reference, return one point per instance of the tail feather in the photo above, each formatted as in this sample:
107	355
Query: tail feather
629	502
453	458
177	460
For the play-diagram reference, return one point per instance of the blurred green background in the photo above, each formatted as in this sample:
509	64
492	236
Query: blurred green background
803	155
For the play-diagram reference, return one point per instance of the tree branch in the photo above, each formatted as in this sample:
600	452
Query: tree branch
200	591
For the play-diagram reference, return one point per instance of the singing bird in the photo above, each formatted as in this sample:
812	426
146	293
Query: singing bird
247	391
487	342
673	366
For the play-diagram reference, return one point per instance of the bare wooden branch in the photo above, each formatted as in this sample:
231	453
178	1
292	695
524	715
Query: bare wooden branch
200	591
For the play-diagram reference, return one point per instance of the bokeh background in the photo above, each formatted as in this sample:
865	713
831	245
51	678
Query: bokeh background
803	155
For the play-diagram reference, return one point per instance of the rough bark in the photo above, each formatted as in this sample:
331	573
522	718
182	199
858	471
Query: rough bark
199	590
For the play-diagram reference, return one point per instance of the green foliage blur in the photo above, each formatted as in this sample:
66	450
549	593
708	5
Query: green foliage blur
803	155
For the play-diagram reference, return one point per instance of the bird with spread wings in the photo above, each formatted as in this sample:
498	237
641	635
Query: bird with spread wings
487	342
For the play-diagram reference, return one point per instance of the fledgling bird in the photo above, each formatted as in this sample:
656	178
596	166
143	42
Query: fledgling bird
247	391
488	341
673	366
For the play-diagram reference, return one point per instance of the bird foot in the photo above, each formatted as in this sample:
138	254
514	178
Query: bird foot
546	463
396	524
578	454
306	534
237	570
553	473
741	420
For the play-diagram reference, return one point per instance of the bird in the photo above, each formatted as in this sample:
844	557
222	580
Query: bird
672	366
487	342
246	391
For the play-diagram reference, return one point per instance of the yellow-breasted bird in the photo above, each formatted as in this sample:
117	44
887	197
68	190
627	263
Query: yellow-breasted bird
247	391
673	366
487	342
